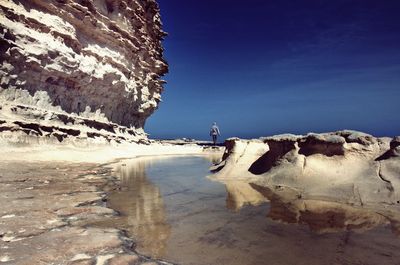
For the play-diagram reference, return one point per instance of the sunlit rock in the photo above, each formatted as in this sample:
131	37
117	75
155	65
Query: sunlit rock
87	70
345	166
240	153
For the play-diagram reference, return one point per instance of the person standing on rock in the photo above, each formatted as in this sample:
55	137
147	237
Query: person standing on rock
214	132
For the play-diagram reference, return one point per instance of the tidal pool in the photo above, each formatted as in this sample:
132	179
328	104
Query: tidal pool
177	214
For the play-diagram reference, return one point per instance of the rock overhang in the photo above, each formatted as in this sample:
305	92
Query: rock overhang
96	60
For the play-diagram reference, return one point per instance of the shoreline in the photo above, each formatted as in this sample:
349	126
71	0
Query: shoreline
99	153
59	202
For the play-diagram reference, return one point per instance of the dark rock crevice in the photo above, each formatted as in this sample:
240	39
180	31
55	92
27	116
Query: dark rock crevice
394	150
277	149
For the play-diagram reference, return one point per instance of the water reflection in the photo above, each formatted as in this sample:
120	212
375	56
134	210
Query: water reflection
214	157
324	216
141	206
175	213
240	194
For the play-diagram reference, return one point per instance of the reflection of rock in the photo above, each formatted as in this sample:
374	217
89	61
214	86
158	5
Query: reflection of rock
142	207
339	166
214	157
287	205
240	193
91	66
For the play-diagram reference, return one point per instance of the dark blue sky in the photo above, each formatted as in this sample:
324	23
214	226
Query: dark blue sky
262	67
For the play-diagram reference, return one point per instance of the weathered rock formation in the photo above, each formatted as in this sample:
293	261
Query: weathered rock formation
345	167
79	68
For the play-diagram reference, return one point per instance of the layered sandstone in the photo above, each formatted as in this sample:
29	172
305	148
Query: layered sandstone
82	69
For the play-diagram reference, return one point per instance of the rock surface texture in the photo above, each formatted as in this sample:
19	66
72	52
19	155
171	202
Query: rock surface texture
317	176
52	214
82	69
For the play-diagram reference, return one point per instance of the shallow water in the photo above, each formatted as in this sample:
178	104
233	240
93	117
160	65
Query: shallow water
175	213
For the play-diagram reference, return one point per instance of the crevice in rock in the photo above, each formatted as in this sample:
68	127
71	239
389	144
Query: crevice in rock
304	164
388	154
389	184
312	146
31	126
357	194
392	152
277	149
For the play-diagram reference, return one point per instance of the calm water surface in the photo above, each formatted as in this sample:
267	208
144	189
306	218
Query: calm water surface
175	213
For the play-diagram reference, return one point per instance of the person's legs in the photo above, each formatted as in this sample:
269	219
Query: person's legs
214	139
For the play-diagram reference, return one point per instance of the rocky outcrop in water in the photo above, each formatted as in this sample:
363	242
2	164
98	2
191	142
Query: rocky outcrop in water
82	69
346	167
337	181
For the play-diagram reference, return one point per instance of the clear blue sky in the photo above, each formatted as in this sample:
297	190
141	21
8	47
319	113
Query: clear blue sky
261	67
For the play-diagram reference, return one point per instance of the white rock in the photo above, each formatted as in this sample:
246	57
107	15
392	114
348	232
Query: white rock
80	256
8	216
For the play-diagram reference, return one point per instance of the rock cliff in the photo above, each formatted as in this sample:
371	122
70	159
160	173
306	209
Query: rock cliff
79	69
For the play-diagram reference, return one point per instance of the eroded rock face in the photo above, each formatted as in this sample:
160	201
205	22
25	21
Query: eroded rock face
239	153
66	64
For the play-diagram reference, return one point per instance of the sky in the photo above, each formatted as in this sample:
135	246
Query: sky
260	67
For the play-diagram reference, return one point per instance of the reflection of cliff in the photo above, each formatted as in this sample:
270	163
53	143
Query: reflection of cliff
142	207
